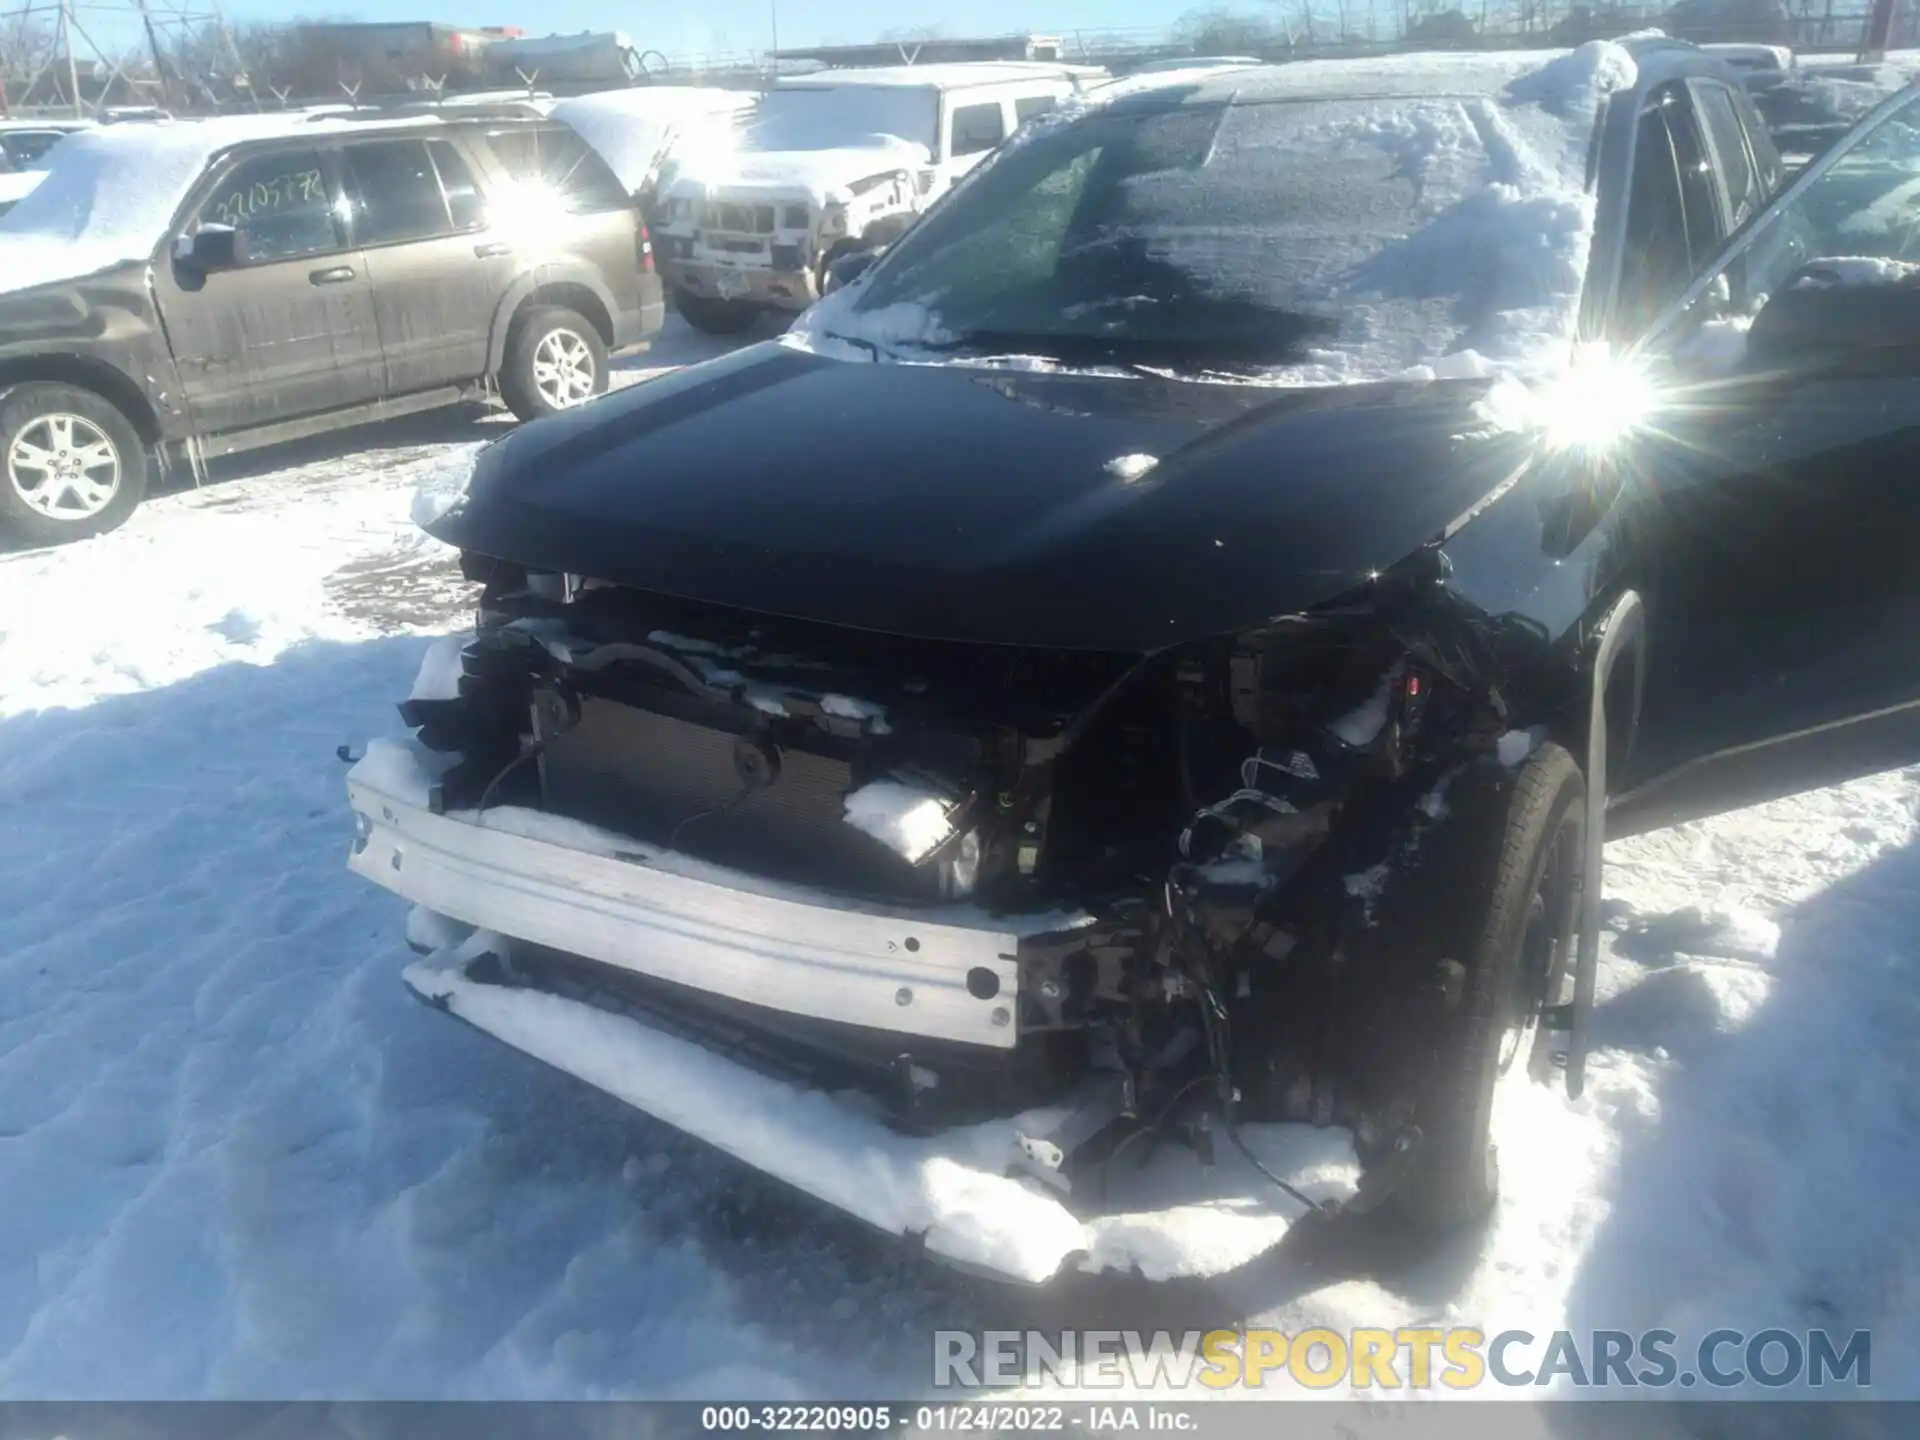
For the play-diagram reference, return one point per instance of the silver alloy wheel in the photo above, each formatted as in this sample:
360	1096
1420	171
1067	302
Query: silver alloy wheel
64	466
563	370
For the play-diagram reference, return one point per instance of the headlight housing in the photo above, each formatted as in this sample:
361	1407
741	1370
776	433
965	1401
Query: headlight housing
833	223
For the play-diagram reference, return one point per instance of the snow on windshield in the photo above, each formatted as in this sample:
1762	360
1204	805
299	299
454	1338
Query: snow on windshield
1317	237
630	129
110	194
838	117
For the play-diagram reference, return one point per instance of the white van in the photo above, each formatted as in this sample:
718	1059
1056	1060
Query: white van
833	161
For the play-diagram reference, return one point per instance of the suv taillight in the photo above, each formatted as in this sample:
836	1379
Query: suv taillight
643	245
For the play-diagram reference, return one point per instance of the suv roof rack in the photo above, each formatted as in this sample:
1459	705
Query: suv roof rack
521	105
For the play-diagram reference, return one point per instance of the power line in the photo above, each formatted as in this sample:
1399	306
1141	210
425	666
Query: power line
88	56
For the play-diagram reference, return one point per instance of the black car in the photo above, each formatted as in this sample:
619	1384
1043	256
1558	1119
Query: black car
214	286
1071	687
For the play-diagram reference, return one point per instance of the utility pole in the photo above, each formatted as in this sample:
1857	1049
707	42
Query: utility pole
65	41
1879	30
773	59
153	47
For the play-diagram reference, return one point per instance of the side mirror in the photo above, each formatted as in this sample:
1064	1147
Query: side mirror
849	268
214	248
1856	316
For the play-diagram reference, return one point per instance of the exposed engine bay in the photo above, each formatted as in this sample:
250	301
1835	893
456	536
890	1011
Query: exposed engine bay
1204	848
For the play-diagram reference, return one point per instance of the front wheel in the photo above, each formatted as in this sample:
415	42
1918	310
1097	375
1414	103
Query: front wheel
1506	909
71	464
555	361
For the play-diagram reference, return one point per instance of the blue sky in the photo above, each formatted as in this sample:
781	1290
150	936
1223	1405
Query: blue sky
708	26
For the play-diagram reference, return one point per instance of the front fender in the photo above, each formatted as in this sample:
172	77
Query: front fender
102	329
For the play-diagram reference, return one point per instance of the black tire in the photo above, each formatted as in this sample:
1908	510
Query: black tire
717	317
29	511
520	385
1502	902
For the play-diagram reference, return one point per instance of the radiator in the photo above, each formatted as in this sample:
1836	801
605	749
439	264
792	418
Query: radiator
686	786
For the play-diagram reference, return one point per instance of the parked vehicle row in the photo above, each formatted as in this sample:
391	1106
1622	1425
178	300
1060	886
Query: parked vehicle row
1165	646
315	269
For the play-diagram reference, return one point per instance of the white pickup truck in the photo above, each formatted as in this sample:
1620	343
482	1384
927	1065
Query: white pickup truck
832	162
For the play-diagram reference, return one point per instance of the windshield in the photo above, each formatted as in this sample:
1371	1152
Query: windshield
844	116
1356	237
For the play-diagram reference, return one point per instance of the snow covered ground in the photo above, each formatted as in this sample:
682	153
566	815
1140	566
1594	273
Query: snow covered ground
237	1160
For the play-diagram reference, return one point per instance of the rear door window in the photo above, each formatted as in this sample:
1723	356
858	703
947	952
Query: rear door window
465	204
1656	261
1028	106
395	193
978	128
280	202
1705	228
1729	140
560	168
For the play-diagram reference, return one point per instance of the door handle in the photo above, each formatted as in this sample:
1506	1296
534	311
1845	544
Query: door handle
334	275
493	250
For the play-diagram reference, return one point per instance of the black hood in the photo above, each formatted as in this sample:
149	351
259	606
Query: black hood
961	503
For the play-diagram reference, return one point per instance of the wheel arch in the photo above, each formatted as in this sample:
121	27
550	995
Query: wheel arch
1617	650
86	372
572	293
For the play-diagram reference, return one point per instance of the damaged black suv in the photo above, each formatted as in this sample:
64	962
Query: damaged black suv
1158	654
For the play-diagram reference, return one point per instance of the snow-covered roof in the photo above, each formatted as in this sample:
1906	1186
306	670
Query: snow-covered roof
1440	73
15	185
937	77
630	129
112	190
1743	56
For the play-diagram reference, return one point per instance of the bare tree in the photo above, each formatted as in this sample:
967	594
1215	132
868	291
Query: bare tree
1220	31
27	42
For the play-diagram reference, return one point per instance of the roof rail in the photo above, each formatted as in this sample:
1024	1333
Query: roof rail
451	107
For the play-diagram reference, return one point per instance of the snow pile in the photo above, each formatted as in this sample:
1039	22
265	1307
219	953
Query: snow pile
954	1189
633	129
441	670
17	185
1838	270
1129	468
186	594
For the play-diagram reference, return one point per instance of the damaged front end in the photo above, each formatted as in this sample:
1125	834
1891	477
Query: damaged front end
1088	906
